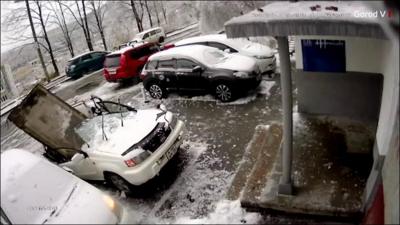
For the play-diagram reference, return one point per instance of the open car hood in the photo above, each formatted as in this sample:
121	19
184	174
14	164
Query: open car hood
49	120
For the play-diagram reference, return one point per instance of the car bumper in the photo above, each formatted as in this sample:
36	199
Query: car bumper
151	167
266	65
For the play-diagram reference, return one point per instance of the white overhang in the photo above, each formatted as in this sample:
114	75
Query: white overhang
297	18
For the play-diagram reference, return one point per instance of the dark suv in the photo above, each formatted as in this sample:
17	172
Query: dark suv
200	68
84	63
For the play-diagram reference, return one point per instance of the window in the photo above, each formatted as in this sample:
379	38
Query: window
146	35
185	64
220	46
112	61
166	64
86	57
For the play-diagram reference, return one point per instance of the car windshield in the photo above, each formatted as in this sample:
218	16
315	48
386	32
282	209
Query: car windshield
112	61
213	57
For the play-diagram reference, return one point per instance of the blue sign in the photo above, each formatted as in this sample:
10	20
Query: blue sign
324	55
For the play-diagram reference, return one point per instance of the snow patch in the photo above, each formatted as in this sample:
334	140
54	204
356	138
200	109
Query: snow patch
226	212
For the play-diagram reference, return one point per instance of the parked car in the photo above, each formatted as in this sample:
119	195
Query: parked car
198	67
35	191
153	35
120	145
263	54
127	63
84	63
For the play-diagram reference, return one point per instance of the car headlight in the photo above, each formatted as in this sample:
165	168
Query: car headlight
109	202
72	67
113	206
241	74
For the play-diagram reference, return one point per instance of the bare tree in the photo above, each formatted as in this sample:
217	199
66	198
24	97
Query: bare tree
148	13
90	45
156	11
59	19
164	11
36	41
43	21
99	11
138	18
80	21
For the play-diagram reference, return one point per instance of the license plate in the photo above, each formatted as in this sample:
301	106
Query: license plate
170	153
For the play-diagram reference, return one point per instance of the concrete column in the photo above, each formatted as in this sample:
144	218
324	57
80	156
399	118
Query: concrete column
285	184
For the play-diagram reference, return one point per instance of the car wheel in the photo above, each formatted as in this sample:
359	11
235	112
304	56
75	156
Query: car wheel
161	40
223	92
119	182
156	91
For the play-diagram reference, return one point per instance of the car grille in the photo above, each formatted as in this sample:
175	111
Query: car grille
152	141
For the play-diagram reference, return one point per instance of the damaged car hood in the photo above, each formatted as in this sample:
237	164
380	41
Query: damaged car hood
118	132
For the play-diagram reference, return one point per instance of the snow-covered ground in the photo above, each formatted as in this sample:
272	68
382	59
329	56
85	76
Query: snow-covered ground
193	186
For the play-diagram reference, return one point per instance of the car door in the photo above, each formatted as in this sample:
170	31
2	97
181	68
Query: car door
81	166
187	78
165	73
97	60
85	63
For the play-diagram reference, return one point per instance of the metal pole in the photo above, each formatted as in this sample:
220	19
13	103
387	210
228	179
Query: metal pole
285	184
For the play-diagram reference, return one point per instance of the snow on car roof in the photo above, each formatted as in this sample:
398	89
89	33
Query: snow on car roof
190	51
210	37
236	43
23	186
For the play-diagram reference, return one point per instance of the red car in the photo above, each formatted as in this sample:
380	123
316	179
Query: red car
127	63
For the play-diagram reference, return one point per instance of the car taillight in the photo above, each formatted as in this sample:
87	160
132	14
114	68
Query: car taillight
143	74
137	159
167	46
130	163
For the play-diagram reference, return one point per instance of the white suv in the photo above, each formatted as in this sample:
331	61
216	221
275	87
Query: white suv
121	145
154	35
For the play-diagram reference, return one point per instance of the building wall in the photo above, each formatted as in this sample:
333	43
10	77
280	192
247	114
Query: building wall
362	54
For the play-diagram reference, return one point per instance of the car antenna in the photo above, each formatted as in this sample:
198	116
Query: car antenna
122	117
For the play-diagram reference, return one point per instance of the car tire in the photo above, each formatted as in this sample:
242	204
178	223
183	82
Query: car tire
223	92
156	91
118	182
161	40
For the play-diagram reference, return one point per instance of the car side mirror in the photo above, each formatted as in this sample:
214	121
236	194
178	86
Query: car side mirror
77	157
197	69
227	50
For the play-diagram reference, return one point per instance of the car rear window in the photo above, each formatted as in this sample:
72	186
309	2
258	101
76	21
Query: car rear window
112	61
